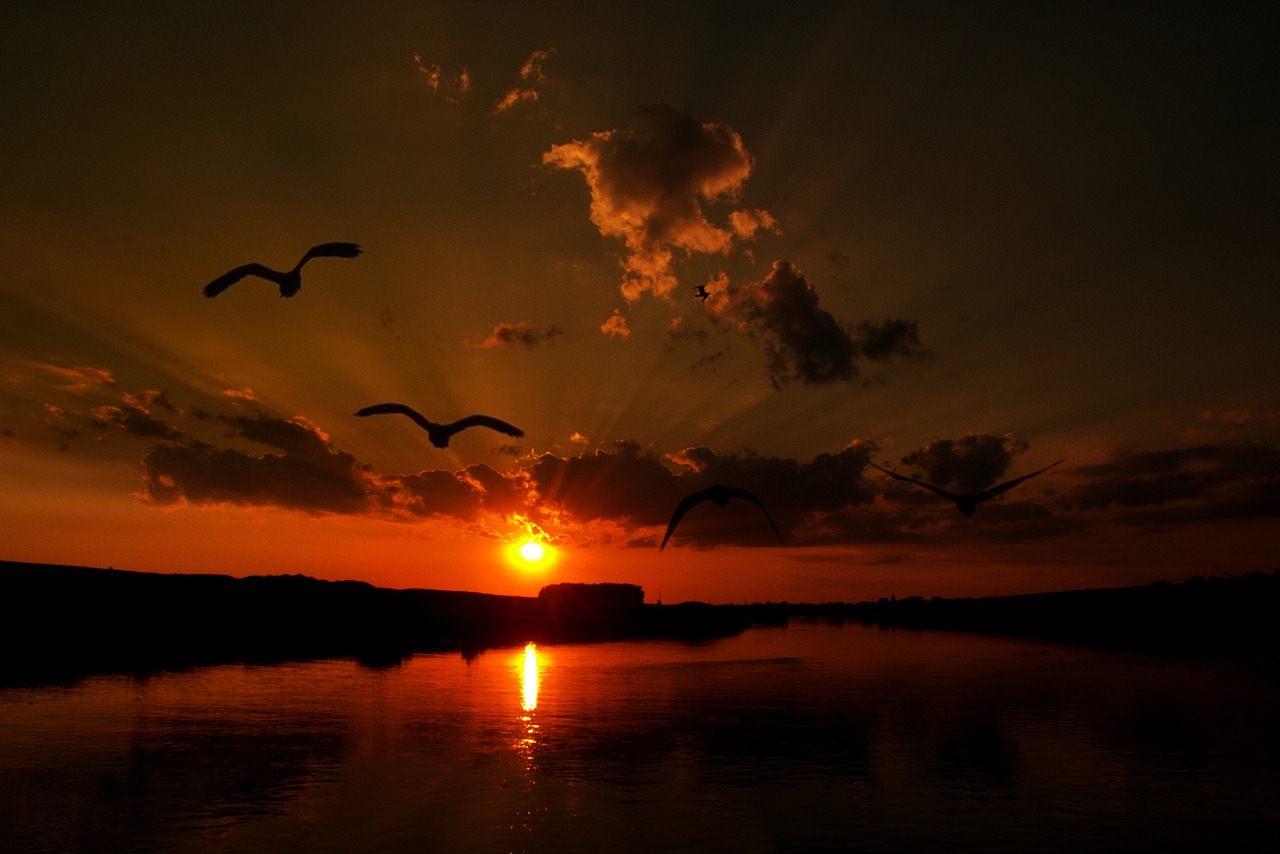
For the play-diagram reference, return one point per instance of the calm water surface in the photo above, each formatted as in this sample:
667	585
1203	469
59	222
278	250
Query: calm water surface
807	738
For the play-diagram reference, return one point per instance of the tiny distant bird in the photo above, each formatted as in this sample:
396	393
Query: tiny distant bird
440	434
291	282
966	503
701	292
719	494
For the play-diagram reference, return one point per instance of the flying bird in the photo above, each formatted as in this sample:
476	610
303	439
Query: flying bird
719	494
290	282
966	503
440	434
701	292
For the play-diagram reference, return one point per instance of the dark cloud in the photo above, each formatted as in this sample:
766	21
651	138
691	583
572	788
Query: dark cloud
1182	485
968	464
648	183
523	334
882	341
802	340
306	475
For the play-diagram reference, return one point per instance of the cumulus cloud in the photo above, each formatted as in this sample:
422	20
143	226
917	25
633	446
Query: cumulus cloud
648	183
241	393
523	334
616	326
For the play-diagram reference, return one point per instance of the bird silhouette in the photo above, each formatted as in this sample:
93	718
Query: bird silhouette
967	502
440	434
290	282
701	292
720	494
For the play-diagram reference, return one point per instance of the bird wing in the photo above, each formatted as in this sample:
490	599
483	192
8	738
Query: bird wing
484	421
929	486
396	409
682	508
750	496
331	250
230	277
1010	484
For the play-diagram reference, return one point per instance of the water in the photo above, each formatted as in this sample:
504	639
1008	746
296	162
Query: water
807	738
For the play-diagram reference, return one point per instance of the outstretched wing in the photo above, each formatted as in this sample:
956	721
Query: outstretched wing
929	486
229	278
396	409
682	508
331	250
1010	484
750	496
484	421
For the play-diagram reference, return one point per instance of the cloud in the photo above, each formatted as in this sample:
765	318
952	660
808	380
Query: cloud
968	464
802	340
882	341
530	73
522	333
242	393
1181	485
648	183
453	88
616	326
80	379
306	474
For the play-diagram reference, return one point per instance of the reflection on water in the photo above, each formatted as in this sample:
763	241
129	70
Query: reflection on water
812	737
529	674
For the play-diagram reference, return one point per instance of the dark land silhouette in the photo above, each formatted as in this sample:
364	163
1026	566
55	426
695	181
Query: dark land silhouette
71	620
67	621
440	434
289	281
967	502
718	494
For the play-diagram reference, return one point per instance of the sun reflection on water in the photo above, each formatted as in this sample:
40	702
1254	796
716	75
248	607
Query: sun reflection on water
530	686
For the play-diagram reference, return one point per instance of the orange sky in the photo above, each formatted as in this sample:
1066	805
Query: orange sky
962	243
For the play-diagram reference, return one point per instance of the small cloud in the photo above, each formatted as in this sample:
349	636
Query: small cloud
530	72
453	88
524	334
243	393
532	68
578	438
616	326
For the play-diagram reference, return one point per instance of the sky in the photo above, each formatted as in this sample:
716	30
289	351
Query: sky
961	241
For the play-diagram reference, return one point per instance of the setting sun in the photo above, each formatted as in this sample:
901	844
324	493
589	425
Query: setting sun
529	554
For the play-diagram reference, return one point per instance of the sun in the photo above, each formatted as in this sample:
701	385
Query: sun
530	554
